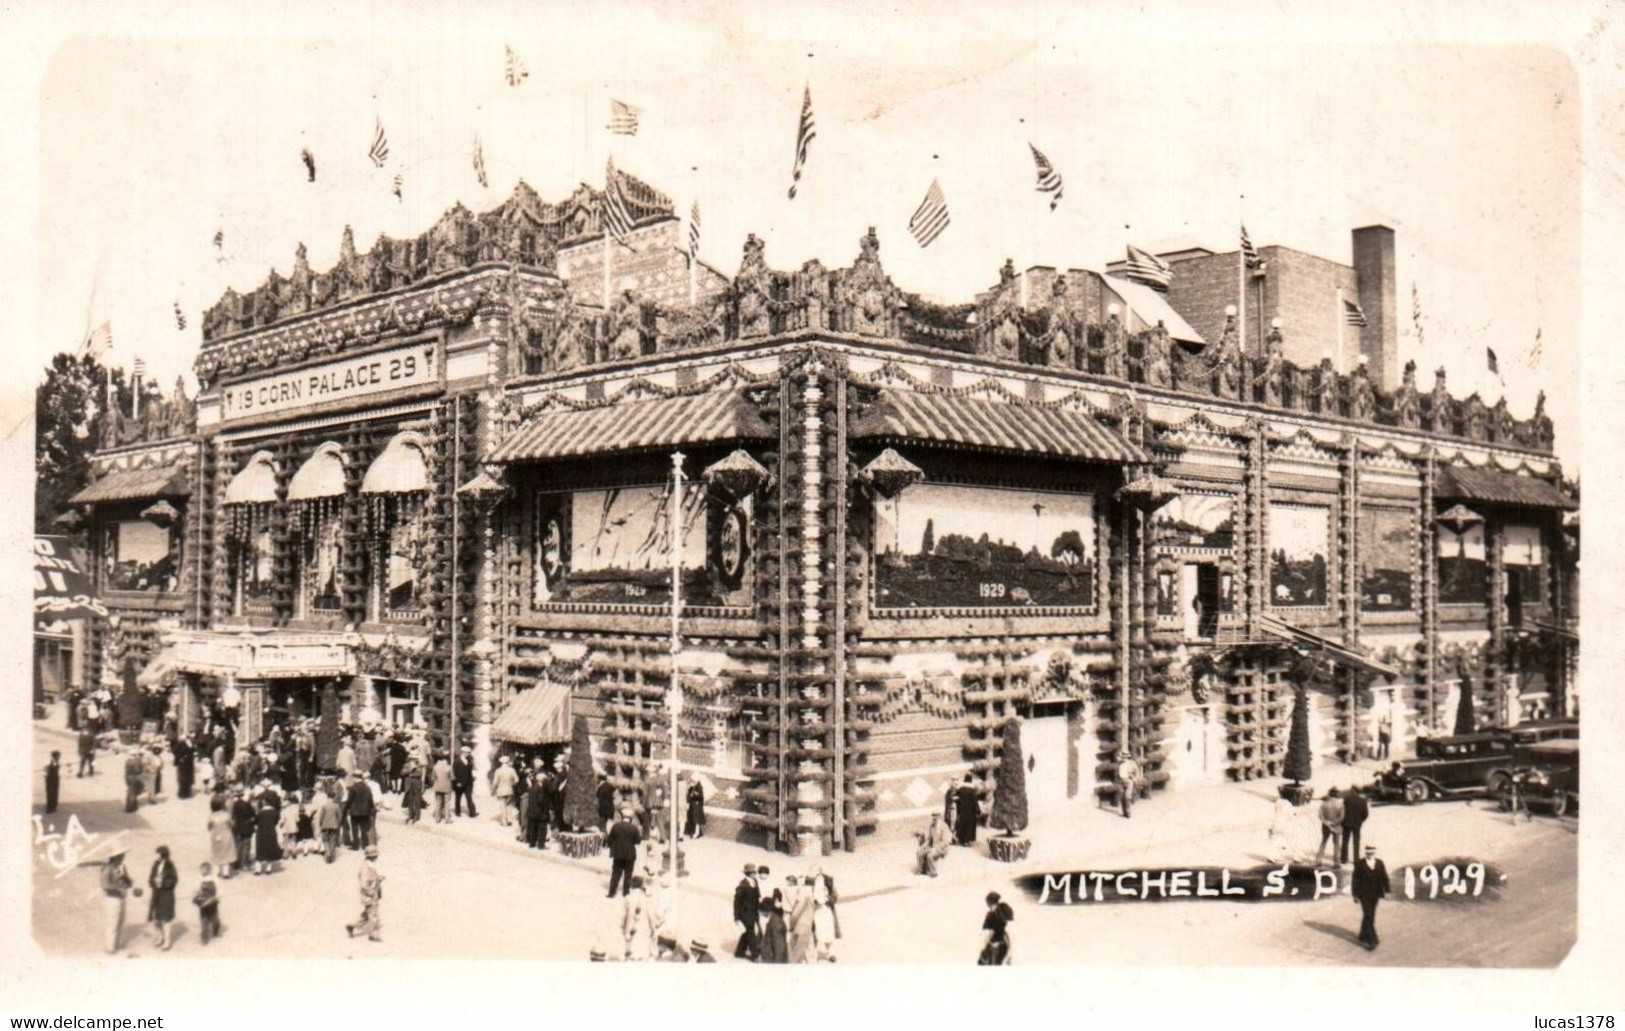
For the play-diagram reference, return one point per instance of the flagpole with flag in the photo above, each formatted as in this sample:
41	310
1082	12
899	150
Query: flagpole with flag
693	252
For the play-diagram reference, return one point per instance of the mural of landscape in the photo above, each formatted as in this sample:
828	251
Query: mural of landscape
1461	565
1197	521
1299	537
1387	556
138	557
1524	556
947	546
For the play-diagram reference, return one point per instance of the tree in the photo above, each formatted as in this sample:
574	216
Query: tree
69	412
929	542
129	699
1466	719
1010	793
327	730
581	788
1299	761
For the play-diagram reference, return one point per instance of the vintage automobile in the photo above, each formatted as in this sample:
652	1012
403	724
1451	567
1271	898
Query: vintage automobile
1445	767
1523	735
1547	775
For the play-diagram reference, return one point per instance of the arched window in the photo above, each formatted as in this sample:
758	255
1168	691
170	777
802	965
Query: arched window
316	509
393	490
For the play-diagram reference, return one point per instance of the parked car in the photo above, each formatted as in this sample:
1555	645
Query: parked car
1445	767
1548	776
1531	732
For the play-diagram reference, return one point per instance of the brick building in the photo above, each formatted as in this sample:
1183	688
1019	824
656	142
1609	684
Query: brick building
435	484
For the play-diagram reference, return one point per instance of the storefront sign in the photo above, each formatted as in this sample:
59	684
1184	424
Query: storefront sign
264	656
332	383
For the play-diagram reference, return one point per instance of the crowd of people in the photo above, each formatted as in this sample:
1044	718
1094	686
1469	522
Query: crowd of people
795	922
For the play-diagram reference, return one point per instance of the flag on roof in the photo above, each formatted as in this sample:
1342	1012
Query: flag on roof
378	153
804	136
479	162
139	369
98	342
1049	180
1491	361
180	316
694	230
1249	252
623	118
1535	351
1143	267
396	187
616	216
515	69
219	239
1353	314
931	217
1416	313
310	164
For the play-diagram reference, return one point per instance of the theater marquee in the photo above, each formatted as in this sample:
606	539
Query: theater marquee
332	383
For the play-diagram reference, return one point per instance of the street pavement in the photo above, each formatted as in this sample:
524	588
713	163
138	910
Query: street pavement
468	890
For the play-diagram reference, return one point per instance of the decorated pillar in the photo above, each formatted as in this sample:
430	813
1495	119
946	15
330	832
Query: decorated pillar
809	790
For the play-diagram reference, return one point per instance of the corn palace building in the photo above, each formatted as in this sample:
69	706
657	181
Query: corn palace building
433	484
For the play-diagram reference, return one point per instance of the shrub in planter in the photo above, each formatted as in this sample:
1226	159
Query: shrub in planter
1010	801
581	798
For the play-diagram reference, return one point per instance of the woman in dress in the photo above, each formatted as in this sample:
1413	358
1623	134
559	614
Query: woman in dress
304	835
637	930
267	850
823	924
995	933
150	765
775	948
287	827
222	849
800	900
162	881
694	823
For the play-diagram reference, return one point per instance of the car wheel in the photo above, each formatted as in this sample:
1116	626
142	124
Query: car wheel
1416	791
1560	803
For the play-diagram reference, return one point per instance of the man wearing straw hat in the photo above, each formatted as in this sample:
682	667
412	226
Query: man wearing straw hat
116	883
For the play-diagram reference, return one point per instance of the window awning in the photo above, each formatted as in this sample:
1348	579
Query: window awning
1500	488
1028	429
712	417
159	481
322	475
1151	307
539	716
255	483
1334	650
400	469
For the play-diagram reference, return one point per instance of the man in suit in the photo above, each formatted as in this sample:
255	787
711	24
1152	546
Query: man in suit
1355	811
1331	825
623	852
747	911
536	811
1369	886
462	782
360	805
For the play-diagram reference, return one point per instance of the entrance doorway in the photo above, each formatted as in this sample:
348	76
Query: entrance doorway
1199	752
1048	748
1199	599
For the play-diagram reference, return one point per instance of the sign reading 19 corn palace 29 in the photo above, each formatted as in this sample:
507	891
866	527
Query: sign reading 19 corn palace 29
398	370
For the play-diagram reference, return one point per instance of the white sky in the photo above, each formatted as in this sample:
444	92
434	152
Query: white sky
1471	152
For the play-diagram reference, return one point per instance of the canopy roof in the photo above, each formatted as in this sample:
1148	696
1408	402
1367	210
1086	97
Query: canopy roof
1500	488
255	483
538	716
158	481
1334	650
1028	429
322	475
400	469
725	415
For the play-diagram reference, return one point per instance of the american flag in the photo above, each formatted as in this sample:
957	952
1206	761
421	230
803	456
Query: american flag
694	230
1416	313
515	68
310	164
804	135
1049	180
1249	252
623	118
220	246
1490	360
1535	351
931	217
396	187
479	162
1143	267
617	218
98	342
180	316
1353	314
139	370
378	153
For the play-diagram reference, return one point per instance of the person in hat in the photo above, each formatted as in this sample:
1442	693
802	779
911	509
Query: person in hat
699	951
597	955
345	760
537	808
207	901
671	951
557	792
623	843
412	790
243	821
134	770
440	780
462	782
53	781
267	843
362	810
329	820
995	933
694	814
161	907
116	884
1128	782
747	914
1369	886
933	845
504	780
371	882
967	812
606	802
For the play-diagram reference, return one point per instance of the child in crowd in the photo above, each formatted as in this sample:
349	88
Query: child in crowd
305	831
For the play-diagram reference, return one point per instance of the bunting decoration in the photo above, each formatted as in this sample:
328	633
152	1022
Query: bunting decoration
515	70
804	136
479	163
931	217
1049	180
310	164
378	153
1144	267
623	118
180	316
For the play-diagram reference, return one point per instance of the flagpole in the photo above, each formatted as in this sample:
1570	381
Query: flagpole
1241	284
1341	318
675	698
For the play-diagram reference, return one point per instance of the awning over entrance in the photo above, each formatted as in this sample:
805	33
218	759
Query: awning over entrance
716	416
159	481
158	668
1029	429
538	716
1337	652
400	469
1562	632
1500	488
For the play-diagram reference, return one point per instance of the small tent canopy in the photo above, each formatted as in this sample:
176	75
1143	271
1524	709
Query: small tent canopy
322	475
400	468
255	484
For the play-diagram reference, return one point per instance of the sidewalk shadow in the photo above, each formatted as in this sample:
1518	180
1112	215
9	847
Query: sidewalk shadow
1336	931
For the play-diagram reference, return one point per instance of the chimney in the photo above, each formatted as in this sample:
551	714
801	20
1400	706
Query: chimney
1374	280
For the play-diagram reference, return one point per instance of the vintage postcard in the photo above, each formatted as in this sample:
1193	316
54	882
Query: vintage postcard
654	484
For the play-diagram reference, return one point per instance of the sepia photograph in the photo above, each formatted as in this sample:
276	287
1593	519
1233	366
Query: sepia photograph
670	484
